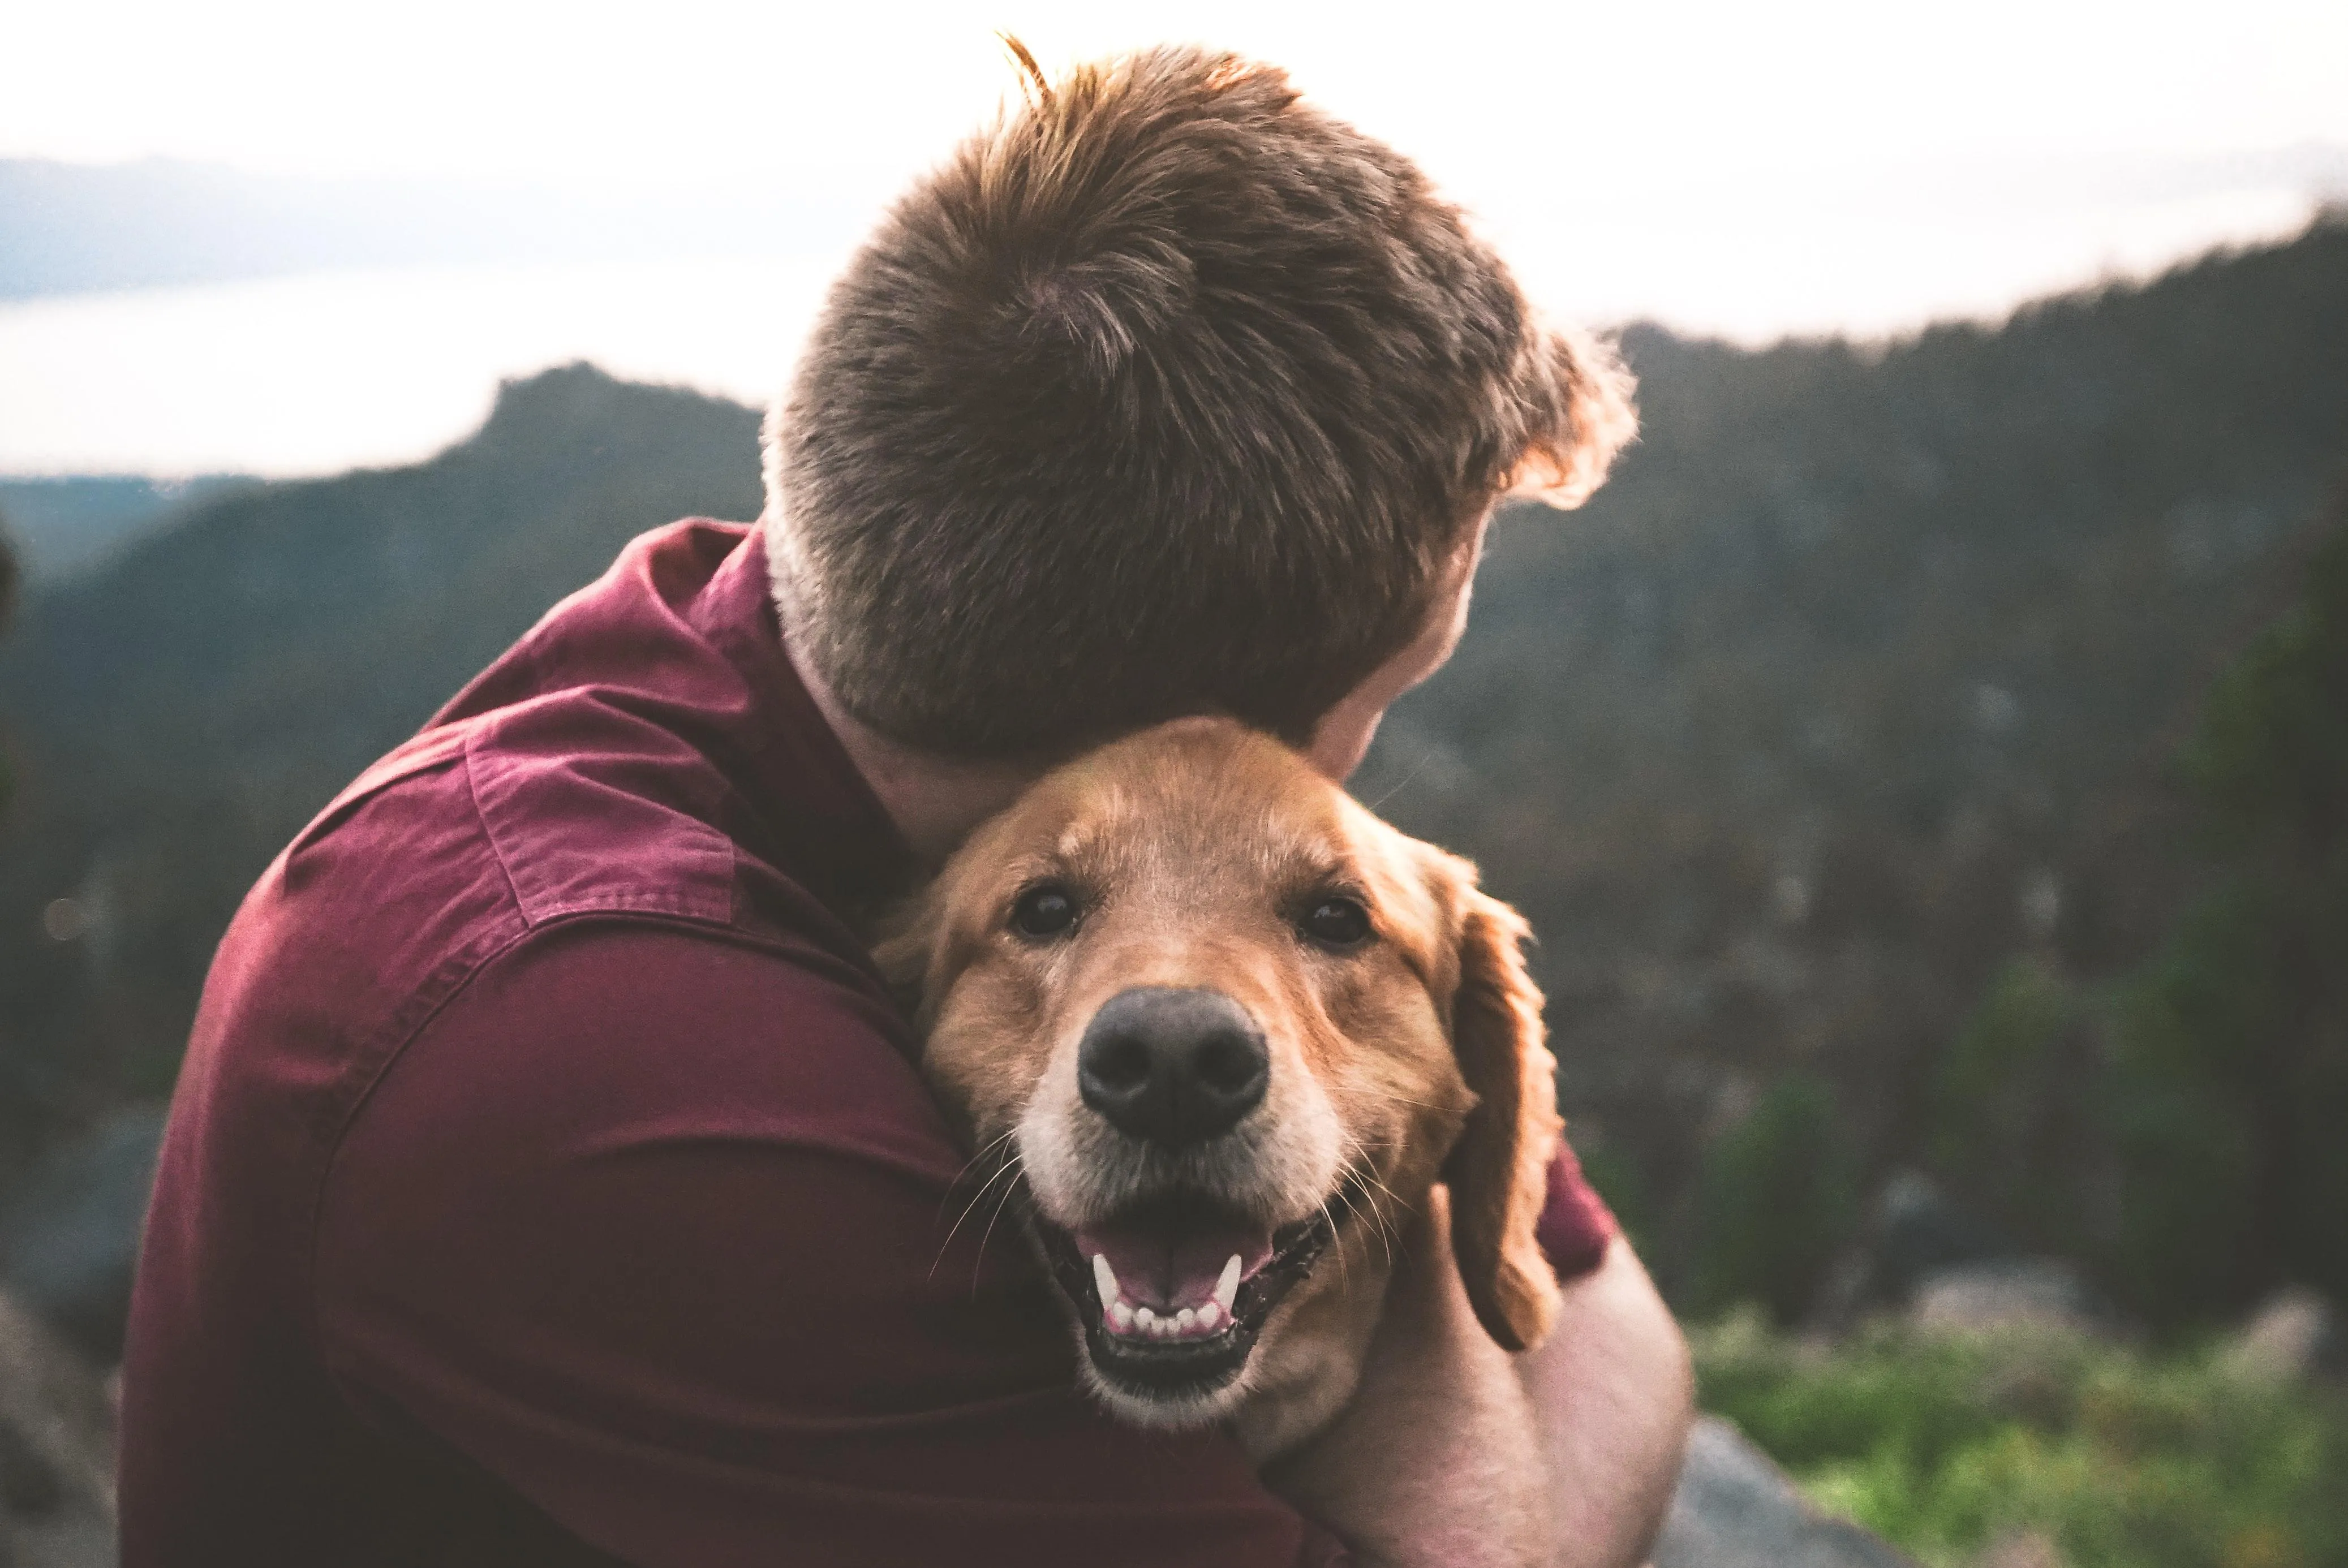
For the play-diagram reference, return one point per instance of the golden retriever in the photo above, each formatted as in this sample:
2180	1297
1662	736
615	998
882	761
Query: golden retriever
1228	1031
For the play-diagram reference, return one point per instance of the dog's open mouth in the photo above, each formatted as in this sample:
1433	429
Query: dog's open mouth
1173	1290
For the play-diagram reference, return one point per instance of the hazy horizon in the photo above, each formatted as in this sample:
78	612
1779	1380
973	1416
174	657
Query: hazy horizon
1827	167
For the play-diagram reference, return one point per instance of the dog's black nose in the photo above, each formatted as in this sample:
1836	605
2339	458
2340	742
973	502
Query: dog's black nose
1172	1066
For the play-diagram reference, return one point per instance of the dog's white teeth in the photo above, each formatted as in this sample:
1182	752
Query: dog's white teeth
1183	1319
1227	1288
1105	1280
1144	1319
1121	1316
1209	1316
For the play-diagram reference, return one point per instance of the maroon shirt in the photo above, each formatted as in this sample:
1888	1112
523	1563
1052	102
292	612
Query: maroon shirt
550	1180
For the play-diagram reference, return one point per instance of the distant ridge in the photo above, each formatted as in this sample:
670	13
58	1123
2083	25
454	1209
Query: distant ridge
68	525
179	712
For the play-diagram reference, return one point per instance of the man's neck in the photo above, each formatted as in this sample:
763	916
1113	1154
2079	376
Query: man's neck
935	802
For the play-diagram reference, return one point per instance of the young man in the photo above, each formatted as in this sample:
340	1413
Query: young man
549	1180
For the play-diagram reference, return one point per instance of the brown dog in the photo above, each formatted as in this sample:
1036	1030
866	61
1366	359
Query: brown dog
1227	1031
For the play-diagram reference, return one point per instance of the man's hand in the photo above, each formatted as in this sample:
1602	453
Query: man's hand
1454	1455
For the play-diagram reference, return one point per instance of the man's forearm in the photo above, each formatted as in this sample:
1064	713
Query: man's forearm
1454	1452
1613	1394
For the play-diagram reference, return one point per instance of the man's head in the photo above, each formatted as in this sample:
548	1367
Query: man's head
1167	393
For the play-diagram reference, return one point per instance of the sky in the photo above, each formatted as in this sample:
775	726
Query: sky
1801	167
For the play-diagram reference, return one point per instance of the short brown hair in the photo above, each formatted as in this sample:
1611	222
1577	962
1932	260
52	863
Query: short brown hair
1168	393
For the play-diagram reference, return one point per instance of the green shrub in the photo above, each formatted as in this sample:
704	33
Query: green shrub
1777	1195
2013	1109
1946	1445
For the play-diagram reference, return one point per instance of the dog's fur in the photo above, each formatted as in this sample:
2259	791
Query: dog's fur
1411	1058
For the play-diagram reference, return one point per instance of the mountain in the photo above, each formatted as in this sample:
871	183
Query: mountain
177	714
68	525
1858	685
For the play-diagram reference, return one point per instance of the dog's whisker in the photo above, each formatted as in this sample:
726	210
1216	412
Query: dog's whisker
1006	1168
972	1163
1000	1204
1395	788
1397	1099
1381	1223
1371	1220
983	1156
1345	1274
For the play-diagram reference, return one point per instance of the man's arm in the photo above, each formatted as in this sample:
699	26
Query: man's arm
657	1229
1454	1452
1613	1394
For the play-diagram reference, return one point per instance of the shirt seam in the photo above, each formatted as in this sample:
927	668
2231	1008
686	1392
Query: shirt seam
489	835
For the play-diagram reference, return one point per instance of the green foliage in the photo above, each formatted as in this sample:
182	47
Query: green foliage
1778	1197
2122	1459
2181	1121
2177	1125
2270	760
2233	1059
2011	1103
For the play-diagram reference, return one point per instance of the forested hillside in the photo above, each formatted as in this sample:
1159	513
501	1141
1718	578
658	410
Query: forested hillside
178	714
1858	685
65	526
1862	676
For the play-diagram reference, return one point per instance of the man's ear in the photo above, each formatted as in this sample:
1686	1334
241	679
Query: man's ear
1499	1171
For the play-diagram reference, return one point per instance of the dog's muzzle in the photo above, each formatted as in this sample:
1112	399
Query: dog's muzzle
1174	1287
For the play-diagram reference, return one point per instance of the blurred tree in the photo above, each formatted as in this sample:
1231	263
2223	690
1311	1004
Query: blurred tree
1777	1195
2245	1014
2014	1106
2178	1126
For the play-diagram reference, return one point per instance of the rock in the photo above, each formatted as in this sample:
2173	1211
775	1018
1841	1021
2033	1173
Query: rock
2295	1336
2029	1550
70	1238
1735	1509
57	1451
2041	1293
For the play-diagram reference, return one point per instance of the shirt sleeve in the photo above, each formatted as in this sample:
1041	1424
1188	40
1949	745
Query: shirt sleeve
1575	1224
662	1230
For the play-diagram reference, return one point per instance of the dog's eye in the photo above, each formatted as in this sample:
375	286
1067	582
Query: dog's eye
1046	909
1336	921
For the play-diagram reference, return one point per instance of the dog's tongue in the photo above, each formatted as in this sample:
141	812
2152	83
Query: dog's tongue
1169	1269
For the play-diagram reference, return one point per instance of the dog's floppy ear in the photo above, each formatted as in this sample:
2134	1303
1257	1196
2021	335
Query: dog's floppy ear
1499	1171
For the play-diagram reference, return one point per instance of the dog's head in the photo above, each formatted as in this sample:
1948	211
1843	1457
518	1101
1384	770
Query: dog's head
1220	1018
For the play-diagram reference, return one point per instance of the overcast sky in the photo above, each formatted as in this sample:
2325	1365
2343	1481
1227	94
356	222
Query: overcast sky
1748	169
1508	104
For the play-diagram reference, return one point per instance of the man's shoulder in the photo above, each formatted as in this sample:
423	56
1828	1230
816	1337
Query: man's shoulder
676	1030
477	832
457	861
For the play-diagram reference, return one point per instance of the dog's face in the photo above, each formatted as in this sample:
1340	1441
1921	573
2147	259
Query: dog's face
1222	1020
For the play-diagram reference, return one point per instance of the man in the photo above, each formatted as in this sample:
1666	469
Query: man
550	1180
